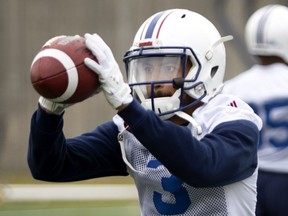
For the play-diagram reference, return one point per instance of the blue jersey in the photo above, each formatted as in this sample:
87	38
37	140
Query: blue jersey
176	171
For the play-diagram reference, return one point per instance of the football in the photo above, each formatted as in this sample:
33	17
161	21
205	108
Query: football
59	74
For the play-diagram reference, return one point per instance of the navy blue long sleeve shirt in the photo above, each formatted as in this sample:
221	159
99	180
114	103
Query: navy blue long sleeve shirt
226	155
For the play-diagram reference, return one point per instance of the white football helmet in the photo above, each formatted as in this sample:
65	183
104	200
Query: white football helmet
176	36
266	32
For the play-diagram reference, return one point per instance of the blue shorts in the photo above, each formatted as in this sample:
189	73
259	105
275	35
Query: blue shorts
272	194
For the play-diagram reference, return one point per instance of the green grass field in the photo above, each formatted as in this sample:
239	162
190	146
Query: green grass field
105	208
68	208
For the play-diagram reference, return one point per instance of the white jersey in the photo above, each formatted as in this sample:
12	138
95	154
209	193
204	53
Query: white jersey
265	88
155	183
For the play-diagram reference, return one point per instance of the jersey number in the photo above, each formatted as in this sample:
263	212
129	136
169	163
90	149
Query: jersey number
174	186
269	113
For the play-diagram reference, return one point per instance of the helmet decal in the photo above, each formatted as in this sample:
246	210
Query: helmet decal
261	27
152	26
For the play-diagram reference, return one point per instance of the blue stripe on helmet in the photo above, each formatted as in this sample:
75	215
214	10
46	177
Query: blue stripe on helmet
152	25
261	26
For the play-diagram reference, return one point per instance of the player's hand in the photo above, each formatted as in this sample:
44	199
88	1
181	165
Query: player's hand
52	107
116	91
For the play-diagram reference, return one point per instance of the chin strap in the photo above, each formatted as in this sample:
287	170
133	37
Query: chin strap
197	128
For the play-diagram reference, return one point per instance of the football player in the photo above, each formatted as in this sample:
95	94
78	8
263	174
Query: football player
264	87
189	149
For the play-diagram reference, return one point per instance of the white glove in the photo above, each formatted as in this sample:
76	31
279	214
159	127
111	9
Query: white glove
52	107
116	91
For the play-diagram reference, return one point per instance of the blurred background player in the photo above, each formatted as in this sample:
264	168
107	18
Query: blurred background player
189	149
265	87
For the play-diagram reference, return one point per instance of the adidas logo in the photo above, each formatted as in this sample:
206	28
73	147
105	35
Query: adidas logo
233	104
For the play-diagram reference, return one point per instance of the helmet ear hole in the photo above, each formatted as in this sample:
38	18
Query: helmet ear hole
214	71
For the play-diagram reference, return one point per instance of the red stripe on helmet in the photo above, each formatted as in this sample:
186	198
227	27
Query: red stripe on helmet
158	32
